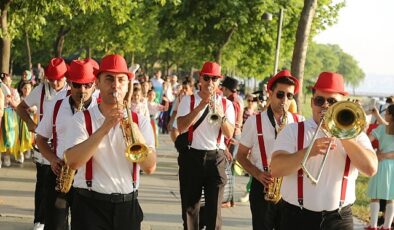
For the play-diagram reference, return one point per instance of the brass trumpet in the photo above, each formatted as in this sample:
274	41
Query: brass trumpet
343	120
213	117
136	151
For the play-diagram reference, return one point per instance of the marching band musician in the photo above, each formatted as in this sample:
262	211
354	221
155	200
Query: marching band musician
202	163
55	124
259	143
327	204
106	184
53	88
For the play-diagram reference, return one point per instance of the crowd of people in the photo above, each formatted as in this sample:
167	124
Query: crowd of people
77	116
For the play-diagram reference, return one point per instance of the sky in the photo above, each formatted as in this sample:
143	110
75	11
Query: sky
365	30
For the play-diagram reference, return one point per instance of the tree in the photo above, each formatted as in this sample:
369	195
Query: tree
5	37
301	44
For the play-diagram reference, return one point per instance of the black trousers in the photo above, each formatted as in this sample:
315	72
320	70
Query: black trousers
265	214
200	169
293	217
40	193
56	214
91	214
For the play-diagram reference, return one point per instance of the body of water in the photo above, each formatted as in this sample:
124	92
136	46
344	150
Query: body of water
374	85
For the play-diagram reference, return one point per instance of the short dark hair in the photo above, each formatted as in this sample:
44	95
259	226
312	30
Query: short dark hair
389	100
390	109
283	80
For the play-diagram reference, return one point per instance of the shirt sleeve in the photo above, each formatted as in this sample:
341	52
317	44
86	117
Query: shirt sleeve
146	131
364	141
184	107
77	132
33	99
230	113
249	132
44	127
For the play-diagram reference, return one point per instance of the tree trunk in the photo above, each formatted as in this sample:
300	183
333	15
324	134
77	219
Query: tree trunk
5	39
301	45
217	54
58	48
28	51
88	52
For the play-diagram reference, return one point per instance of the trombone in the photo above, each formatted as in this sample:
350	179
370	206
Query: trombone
343	120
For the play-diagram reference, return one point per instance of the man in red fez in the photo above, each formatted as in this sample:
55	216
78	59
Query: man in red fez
52	89
203	119
327	203
255	148
96	147
54	125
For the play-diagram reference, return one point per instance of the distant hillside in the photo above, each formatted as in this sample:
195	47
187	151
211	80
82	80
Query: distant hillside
374	85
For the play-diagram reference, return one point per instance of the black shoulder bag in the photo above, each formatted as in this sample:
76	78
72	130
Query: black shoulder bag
182	142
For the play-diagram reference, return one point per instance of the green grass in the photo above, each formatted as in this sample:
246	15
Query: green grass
361	206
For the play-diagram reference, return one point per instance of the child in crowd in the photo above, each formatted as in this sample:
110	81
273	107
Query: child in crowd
381	186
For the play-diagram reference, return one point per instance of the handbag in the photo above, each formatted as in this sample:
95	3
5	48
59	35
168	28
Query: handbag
182	141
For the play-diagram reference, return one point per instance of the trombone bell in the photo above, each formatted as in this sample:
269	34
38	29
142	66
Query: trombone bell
343	120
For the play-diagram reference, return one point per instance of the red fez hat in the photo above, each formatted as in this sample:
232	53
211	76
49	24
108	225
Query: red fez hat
56	69
93	62
211	69
330	82
114	63
283	74
80	71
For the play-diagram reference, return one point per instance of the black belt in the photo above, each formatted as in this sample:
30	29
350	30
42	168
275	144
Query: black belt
113	197
297	208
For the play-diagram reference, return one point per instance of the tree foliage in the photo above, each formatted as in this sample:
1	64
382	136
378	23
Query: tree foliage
172	34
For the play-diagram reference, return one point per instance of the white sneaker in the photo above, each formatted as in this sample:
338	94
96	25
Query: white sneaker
7	160
21	158
38	226
244	198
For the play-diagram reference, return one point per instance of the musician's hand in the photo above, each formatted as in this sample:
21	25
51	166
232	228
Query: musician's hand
381	156
205	99
112	119
228	155
321	145
265	178
233	141
56	165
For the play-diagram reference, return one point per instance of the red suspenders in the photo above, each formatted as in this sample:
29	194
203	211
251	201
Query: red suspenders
190	130
54	133
89	168
42	101
300	183
259	125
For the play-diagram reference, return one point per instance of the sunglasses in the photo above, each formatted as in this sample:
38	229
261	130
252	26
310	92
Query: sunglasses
79	85
320	101
250	101
207	78
281	94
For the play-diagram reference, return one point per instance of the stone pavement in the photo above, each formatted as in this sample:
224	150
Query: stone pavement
158	195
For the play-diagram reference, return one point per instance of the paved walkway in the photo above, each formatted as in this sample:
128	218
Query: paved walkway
159	196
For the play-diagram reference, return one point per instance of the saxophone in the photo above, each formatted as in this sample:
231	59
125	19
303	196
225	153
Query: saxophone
272	191
136	151
66	176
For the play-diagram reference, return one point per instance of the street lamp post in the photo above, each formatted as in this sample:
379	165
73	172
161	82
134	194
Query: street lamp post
268	16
